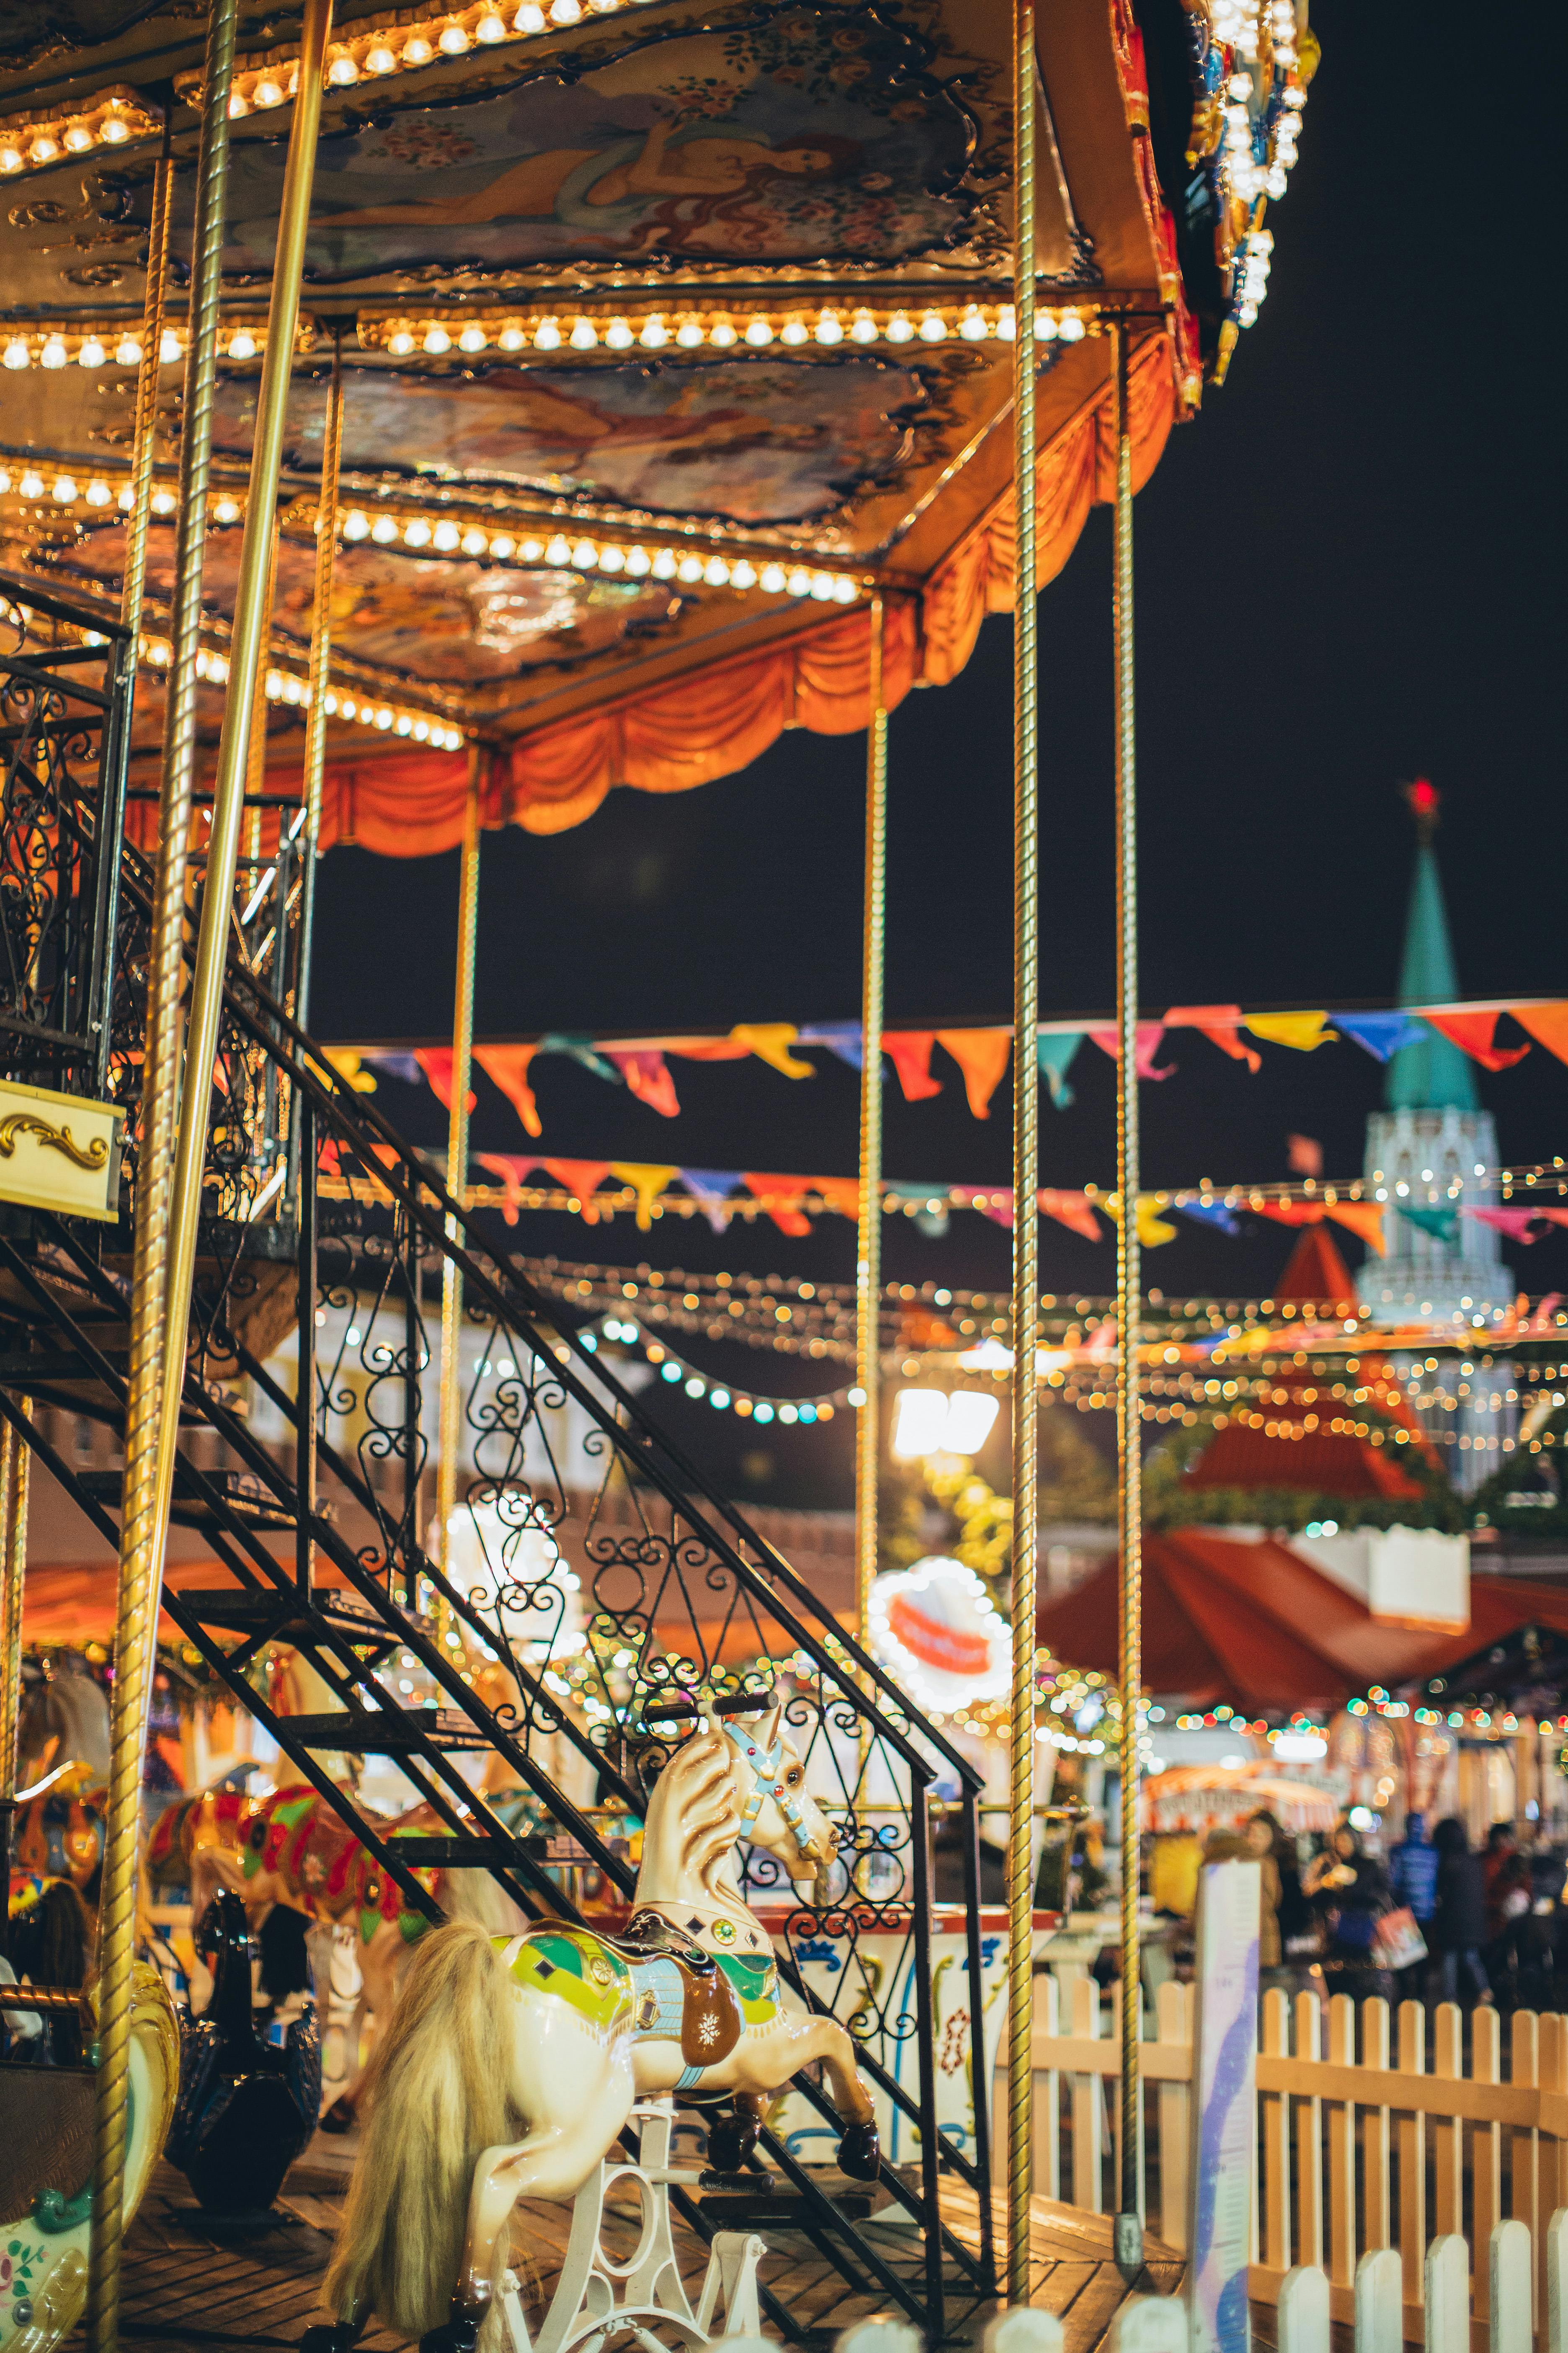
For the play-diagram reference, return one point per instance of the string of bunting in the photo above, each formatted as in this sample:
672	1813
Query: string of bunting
982	1056
595	1190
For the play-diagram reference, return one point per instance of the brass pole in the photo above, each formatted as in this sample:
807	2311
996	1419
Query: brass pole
146	430
256	757
143	1523
246	653
458	1162
868	1252
322	618
15	1460
1129	1428
1025	1178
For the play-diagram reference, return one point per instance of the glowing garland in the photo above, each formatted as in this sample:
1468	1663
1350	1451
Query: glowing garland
118	344
723	1396
744	327
113	119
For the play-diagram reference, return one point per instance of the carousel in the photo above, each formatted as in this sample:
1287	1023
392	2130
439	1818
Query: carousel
413	424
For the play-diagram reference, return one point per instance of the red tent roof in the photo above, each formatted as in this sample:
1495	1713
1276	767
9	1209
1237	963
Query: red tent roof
1255	1623
1316	1270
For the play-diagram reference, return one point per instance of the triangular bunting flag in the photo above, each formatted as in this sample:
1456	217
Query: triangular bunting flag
1219	1024
1474	1032
648	1182
983	1055
508	1066
909	1050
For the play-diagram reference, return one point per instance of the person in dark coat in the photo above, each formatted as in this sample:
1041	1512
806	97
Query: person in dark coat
1457	1928
1350	1891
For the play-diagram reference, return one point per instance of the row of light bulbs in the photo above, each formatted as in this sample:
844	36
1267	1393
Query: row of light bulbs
405	48
283	686
584	555
971	323
974	322
96	347
28	143
448	537
724	1399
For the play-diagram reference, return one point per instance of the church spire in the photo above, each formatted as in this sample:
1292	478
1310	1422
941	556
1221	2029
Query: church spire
1431	1073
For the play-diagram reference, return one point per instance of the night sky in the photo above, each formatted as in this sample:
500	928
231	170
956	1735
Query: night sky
1342	583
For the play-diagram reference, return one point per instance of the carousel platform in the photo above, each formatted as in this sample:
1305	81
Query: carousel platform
185	2287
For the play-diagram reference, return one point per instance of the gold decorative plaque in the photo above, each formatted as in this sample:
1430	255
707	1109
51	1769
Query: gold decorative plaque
60	1152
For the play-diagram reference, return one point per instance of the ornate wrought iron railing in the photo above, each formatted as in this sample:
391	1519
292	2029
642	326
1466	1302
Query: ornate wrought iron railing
64	740
588	1567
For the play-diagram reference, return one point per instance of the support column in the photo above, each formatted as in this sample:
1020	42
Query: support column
15	1463
246	658
321	677
451	1419
165	1228
1128	1312
135	579
142	1521
1026	1176
869	1250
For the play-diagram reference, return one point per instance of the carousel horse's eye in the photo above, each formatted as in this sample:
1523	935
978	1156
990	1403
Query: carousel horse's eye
795	1776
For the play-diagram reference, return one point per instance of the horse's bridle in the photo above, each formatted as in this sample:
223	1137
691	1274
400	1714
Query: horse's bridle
767	1781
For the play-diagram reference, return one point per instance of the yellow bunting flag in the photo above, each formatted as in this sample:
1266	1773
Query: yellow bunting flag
646	1182
347	1063
771	1042
1152	1228
1302	1030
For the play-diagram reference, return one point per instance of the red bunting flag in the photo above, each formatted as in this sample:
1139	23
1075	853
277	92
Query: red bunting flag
1220	1024
583	1178
1070	1209
647	1074
1304	1153
782	1197
1474	1032
436	1062
909	1050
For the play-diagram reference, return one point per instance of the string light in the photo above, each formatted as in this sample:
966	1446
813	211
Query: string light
449	534
112	344
568	335
116	118
723	1396
287	688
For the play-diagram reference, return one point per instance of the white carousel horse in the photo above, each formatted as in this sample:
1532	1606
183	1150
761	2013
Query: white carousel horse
561	2029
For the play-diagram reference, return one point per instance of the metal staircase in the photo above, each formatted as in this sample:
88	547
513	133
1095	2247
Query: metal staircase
320	1222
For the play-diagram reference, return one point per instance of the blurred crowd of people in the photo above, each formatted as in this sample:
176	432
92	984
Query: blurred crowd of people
1434	1920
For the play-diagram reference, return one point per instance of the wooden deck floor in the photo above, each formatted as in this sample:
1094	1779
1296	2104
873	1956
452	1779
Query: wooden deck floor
184	2289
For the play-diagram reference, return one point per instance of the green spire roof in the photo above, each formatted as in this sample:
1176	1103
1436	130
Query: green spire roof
1432	1073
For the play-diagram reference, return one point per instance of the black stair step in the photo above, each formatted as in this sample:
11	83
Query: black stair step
283	1615
783	2209
389	1732
242	1499
461	1853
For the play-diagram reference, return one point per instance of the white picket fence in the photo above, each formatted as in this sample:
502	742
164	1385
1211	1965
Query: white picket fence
1376	2172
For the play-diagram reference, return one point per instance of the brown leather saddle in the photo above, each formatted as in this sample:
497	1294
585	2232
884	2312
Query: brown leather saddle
711	2019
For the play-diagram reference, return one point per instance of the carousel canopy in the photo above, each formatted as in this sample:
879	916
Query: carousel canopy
668	333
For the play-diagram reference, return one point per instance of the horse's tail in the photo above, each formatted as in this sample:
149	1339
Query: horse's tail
436	2091
476	1897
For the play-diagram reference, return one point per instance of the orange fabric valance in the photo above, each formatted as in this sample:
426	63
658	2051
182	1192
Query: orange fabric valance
712	722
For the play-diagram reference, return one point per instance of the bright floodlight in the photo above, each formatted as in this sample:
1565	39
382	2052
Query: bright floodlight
970	1414
931	1421
920	1423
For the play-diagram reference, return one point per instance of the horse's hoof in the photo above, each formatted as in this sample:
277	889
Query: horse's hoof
339	2118
454	2336
730	2141
331	2336
860	2152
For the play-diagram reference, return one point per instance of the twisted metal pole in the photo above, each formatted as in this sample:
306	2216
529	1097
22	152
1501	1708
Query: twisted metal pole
135	579
1025	1178
143	1523
320	673
1129	1428
451	1417
868	1247
14	1462
247	658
